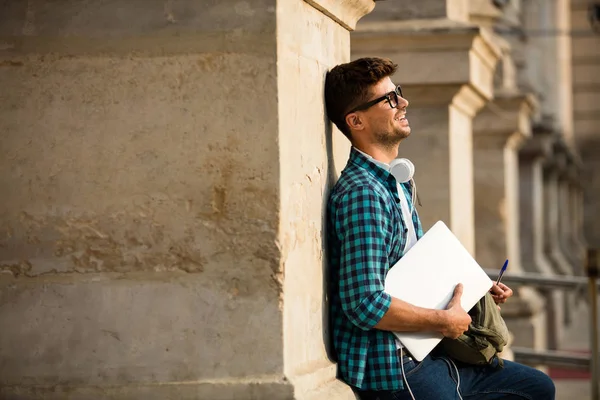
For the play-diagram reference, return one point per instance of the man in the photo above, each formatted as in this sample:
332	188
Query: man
371	224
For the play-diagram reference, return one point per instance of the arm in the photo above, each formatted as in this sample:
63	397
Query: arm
362	225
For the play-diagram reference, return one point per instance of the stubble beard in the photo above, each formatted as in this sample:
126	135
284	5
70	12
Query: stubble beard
390	141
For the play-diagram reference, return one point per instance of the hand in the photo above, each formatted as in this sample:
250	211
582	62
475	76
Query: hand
500	292
457	319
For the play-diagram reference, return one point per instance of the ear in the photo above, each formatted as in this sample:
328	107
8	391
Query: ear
355	122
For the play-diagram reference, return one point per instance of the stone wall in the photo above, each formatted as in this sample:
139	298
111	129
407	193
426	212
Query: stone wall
164	171
586	96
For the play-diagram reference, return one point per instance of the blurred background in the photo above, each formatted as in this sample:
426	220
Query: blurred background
535	151
164	167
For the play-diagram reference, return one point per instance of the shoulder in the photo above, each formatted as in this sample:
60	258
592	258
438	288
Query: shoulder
357	184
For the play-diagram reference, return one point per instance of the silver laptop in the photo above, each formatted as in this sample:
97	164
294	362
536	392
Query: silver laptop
426	277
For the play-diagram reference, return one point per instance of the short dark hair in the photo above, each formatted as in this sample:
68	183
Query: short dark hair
348	85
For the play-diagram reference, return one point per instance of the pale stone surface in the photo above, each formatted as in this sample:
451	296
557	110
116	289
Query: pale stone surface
122	157
161	328
586	61
443	102
547	70
311	156
344	12
533	227
213	390
553	245
532	206
457	10
164	189
500	130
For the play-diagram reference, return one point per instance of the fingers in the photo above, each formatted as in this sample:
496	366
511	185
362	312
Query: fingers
458	290
507	291
500	292
497	289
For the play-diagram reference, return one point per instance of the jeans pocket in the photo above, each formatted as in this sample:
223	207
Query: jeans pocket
411	367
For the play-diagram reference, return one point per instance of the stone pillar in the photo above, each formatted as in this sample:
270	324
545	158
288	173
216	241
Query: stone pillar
532	205
499	131
576	205
570	248
163	177
590	148
554	209
552	168
443	101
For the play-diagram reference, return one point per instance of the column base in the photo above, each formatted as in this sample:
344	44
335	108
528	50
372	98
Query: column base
526	319
225	390
275	388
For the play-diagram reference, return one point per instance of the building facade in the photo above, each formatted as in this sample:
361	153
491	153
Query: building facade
164	168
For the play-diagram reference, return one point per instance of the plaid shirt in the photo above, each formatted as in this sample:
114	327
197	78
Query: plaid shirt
366	237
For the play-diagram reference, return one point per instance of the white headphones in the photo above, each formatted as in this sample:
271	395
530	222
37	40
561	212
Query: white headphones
402	169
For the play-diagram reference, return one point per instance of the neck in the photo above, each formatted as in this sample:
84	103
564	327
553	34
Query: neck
385	155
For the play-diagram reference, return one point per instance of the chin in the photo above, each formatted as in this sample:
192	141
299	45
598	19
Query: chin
404	133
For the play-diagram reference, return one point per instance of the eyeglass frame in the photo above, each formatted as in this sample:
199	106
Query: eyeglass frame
397	91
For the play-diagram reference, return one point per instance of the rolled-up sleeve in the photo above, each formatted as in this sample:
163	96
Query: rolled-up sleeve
363	228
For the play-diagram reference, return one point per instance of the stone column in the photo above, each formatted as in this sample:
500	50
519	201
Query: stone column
446	71
570	248
552	168
499	131
163	175
554	209
532	205
576	205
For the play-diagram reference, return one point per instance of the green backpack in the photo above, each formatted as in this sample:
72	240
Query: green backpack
486	337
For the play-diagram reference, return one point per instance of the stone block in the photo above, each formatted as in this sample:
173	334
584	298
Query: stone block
166	169
425	9
97	331
135	164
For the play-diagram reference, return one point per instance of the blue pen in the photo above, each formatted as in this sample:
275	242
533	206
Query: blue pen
502	271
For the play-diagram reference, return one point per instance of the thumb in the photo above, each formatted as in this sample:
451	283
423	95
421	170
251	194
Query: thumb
458	290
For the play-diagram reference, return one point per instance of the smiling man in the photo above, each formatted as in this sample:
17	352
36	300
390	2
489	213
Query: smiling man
371	224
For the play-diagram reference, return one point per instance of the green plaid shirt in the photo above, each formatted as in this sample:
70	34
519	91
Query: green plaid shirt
366	237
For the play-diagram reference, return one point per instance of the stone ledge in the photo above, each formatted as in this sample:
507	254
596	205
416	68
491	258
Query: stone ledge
182	330
259	390
344	12
321	384
539	145
505	116
417	35
425	48
270	388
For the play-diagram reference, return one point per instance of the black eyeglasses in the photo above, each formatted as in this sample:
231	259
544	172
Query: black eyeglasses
391	97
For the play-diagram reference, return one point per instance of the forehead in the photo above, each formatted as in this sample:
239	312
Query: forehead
383	86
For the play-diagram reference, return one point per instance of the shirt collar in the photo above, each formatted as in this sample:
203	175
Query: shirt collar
380	172
380	164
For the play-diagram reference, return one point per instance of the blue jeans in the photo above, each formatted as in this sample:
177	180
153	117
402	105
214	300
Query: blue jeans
435	379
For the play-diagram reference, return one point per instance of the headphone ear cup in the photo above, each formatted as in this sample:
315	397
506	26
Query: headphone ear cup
402	169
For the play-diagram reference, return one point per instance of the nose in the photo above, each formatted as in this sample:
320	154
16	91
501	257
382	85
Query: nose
402	102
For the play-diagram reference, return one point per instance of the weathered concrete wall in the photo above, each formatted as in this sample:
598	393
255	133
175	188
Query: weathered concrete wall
164	173
144	194
311	157
139	180
457	10
586	114
442	104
